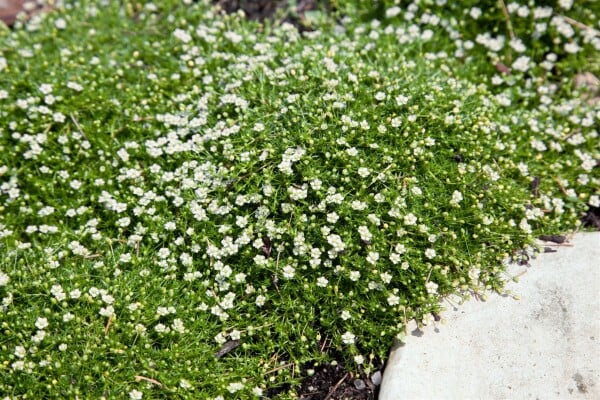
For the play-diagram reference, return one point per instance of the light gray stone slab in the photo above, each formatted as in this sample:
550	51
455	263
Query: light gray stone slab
544	346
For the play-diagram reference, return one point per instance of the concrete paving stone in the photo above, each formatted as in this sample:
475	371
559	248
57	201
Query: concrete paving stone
544	346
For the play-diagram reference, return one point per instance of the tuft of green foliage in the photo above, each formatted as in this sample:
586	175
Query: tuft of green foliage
194	205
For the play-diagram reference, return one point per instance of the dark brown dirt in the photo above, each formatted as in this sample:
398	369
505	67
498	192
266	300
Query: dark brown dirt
332	381
277	10
592	218
254	9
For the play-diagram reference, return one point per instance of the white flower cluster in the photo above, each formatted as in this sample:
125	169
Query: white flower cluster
290	156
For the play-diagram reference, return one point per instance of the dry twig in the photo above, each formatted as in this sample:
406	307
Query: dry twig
107	327
580	25
507	18
143	378
333	389
278	368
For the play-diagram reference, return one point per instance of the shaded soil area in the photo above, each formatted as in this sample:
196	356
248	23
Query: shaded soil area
335	383
592	218
332	381
254	9
280	10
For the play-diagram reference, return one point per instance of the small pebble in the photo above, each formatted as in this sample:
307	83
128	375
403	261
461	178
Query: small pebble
359	384
376	378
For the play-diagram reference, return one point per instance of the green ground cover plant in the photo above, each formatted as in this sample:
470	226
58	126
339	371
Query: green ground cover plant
193	205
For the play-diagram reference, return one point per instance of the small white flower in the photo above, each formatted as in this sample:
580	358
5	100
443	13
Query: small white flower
358	205
38	337
430	253
18	365
20	351
3	279
415	190
372	257
396	122
428	319
60	23
182	35
136	395
107	311
220	338
164	253
386	277
348	338
402	100
260	300
363	172
394	258
41	323
572	47
523	11
352	152
364	233
57	292
400	248
322	281
74	86
336	242
566	4
185	384
457	197
524	225
475	12
288	272
332	217
393	300
431	287
410	219
235	387
316	184
521	64
392	12
178	325
241	221
46	88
